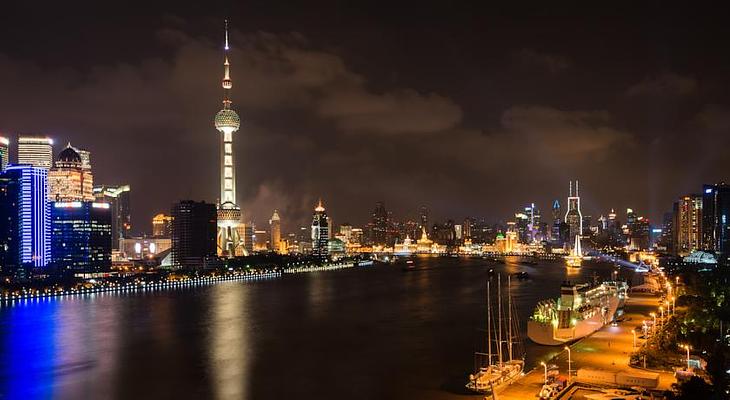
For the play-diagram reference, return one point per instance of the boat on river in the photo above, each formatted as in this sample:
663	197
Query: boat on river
580	310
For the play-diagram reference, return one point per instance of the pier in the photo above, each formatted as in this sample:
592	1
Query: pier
608	349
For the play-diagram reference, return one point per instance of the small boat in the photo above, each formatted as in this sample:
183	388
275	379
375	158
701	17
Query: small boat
409	266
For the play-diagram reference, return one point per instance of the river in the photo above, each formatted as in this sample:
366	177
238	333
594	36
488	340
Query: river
361	333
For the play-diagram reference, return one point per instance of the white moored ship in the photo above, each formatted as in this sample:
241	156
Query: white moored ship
581	310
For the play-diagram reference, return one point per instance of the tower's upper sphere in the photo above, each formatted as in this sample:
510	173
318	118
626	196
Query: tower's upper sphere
227	118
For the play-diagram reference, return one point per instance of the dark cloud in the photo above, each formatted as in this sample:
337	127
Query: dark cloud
665	84
551	62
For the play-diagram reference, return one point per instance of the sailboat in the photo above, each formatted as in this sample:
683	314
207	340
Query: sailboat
575	258
502	367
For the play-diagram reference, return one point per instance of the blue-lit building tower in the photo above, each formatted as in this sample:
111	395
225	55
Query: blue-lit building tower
81	237
716	220
26	207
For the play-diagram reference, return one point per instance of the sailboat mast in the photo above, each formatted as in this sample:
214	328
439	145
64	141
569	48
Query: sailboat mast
489	326
499	318
509	312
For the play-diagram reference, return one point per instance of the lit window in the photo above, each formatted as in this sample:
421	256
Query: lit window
228	160
228	171
228	148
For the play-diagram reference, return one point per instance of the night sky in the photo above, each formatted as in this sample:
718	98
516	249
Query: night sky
468	108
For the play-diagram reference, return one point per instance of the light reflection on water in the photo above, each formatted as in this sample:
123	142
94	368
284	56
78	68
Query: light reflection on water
374	332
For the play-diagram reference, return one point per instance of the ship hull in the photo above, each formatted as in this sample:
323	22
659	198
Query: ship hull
546	334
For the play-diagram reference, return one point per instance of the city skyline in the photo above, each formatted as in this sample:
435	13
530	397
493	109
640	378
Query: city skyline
608	142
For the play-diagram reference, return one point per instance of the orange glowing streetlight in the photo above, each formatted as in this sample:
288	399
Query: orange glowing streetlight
687	347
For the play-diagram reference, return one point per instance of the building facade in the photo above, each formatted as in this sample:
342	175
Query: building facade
275	228
68	180
120	203
688	224
161	226
9	225
36	151
33	214
573	216
4	153
193	233
716	220
81	237
320	233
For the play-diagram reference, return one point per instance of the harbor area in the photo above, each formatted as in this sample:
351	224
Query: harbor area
600	360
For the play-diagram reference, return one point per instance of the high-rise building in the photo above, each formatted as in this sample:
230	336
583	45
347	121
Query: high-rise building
466	228
688	223
4	153
68	180
193	233
120	203
275	227
379	223
422	218
161	226
716	220
260	242
227	122
555	227
81	237
320	233
573	217
36	151
9	225
33	214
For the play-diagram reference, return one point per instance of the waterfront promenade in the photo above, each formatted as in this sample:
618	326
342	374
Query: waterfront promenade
608	349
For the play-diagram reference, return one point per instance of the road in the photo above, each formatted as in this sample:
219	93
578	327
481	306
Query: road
607	349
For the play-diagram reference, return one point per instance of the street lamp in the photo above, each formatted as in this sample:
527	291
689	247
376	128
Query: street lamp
653	327
687	347
661	310
569	361
545	366
633	347
673	299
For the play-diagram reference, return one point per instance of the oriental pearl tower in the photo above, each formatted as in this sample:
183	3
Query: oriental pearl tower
227	122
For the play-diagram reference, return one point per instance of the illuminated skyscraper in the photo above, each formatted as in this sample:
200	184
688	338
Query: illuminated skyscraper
33	214
68	180
227	122
320	233
423	218
275	226
688	223
573	217
36	151
161	226
379	225
4	153
120	203
81	237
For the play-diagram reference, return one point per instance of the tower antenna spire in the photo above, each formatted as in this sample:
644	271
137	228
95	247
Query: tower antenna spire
226	44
